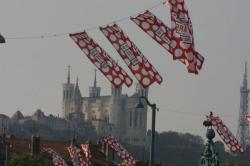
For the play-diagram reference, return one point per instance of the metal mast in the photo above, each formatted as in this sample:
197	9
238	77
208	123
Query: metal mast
243	125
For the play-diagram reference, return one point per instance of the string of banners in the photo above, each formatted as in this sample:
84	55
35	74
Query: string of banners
87	153
76	156
121	152
177	40
56	158
226	135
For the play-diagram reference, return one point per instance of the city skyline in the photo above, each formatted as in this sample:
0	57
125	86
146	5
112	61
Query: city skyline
33	70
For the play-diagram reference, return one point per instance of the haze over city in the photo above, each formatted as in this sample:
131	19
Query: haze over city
32	70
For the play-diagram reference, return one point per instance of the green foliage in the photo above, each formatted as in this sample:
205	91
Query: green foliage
28	160
185	149
2	156
165	164
229	163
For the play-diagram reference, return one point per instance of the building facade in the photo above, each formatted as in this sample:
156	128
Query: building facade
113	114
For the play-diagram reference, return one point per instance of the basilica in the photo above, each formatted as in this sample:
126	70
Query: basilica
113	114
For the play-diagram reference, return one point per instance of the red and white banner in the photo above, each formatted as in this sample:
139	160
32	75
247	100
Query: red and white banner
143	70
112	71
155	28
248	118
87	152
179	39
56	158
182	33
76	156
120	150
225	134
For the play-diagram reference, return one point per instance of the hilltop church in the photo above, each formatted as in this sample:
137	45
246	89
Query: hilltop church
113	114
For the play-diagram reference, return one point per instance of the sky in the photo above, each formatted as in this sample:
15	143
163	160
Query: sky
32	71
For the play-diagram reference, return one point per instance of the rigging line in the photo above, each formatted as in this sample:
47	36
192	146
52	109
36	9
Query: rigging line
39	36
125	18
195	113
183	113
87	29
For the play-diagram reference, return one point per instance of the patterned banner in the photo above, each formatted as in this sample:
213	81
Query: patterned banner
155	28
115	74
75	154
226	135
143	70
120	150
57	159
182	33
178	40
248	118
86	151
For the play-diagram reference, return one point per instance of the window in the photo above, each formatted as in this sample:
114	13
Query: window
140	121
135	140
136	117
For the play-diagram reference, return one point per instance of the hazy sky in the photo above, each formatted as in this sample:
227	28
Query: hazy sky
32	70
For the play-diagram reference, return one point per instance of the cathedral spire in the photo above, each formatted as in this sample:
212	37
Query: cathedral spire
94	91
77	80
77	92
68	79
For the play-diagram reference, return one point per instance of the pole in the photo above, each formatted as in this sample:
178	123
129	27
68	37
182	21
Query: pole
152	150
6	154
154	109
153	136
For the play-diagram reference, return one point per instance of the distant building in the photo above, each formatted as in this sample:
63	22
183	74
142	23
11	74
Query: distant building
112	114
4	122
48	126
39	117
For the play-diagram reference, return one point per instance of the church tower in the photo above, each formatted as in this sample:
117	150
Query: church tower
68	90
141	91
116	91
94	91
243	125
76	103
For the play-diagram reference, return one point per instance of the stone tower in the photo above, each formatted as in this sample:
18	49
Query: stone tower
113	114
243	125
76	101
68	90
141	91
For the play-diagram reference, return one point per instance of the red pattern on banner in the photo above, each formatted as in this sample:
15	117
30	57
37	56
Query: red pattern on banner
75	154
115	74
226	135
155	28
86	151
179	39
56	158
143	70
248	118
120	150
182	33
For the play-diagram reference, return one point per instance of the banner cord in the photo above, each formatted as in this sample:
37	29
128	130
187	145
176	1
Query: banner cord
86	29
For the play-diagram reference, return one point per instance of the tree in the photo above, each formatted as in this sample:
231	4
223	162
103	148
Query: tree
28	160
165	164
